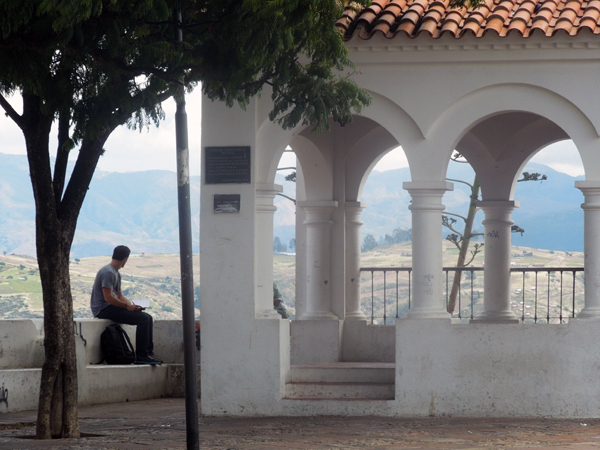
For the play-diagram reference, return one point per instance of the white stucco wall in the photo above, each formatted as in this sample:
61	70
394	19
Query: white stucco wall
427	96
494	370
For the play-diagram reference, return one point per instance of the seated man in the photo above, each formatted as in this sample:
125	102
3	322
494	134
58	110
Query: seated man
278	302
108	302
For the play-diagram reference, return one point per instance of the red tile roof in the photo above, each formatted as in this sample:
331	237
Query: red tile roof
501	17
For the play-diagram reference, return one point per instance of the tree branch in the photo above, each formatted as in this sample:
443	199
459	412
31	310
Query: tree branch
62	155
10	112
456	215
460	181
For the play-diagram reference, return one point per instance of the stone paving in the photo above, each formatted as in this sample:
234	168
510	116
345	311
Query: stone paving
160	424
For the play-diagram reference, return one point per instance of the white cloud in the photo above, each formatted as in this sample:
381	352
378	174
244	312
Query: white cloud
395	159
129	150
132	151
561	156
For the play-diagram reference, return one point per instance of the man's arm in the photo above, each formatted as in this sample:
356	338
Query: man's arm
120	302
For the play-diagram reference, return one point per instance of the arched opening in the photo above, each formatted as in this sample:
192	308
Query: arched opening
386	238
462	245
551	232
522	209
550	211
284	236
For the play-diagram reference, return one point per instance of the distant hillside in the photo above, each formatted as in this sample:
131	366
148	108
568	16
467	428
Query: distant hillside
140	209
137	209
156	277
549	211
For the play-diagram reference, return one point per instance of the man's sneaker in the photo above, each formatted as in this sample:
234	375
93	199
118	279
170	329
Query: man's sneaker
148	360
158	361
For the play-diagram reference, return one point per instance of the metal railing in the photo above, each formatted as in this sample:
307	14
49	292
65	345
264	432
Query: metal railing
538	294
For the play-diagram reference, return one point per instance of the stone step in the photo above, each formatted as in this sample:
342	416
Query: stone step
344	372
340	391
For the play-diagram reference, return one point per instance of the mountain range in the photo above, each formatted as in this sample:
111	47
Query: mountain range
139	209
549	211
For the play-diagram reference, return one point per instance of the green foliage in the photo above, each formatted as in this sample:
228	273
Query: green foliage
369	243
107	62
526	176
278	246
401	235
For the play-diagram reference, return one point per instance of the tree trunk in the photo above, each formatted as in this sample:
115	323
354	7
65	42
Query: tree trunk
464	245
57	411
56	221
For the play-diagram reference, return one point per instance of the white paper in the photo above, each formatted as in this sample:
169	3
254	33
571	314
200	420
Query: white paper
143	302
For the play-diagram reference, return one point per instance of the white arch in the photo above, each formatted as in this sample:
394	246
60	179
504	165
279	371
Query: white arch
363	156
271	141
318	179
483	103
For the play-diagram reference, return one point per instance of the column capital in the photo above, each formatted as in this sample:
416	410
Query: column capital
265	193
357	205
497	211
427	195
266	190
507	205
316	205
591	186
591	193
353	212
318	213
434	187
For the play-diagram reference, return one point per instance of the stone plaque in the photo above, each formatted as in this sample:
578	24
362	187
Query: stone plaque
227	165
224	203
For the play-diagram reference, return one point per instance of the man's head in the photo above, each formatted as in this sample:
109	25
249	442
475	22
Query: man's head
121	253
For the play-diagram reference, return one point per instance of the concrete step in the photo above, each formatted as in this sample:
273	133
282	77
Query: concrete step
344	372
339	391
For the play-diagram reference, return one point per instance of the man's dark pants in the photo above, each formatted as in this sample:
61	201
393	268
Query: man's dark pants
144	342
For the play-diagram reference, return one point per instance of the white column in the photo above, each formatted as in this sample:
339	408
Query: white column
265	193
318	259
353	224
427	271
496	274
591	246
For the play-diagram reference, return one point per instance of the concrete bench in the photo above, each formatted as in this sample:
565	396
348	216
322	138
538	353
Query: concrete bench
22	356
21	343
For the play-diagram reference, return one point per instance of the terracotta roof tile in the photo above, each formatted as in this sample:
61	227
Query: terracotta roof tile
500	17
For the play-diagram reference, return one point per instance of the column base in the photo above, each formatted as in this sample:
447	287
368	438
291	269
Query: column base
318	315
427	313
587	312
492	317
267	314
356	315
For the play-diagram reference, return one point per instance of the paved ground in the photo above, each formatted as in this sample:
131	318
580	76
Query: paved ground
160	424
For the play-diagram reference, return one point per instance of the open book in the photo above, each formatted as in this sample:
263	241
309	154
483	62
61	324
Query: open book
143	302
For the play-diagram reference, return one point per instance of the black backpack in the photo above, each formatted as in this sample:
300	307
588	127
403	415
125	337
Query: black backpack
116	346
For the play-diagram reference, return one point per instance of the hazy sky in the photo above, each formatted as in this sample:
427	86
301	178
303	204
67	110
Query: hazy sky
132	151
562	157
129	150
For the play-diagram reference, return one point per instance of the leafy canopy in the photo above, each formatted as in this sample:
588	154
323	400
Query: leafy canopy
106	60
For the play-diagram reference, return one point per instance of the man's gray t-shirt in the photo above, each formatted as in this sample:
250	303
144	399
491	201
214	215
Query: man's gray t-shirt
107	277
